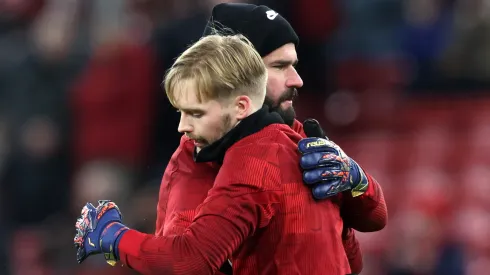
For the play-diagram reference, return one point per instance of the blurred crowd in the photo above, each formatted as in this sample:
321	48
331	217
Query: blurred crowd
403	86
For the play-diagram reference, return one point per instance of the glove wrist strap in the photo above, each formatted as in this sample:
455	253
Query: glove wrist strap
110	239
358	179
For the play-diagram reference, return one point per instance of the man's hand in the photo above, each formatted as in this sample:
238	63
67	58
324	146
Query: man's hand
326	167
99	231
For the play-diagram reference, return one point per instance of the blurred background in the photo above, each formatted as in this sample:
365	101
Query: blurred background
402	85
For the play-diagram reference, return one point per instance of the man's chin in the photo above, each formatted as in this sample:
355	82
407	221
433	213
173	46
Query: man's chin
288	114
284	109
199	146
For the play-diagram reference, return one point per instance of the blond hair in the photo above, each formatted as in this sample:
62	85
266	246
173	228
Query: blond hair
222	67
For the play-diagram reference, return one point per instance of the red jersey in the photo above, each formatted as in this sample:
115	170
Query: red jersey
185	186
259	212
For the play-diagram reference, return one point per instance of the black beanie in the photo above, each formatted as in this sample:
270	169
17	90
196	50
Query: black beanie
266	29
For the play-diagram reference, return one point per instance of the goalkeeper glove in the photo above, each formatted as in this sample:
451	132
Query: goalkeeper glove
99	231
326	167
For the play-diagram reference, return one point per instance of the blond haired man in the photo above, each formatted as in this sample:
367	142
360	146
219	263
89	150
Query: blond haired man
258	212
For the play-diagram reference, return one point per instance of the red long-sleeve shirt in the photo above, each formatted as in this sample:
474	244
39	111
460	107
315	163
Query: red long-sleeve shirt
186	183
258	212
365	213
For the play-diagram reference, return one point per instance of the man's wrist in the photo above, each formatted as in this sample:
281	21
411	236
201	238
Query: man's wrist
355	173
109	241
116	243
359	180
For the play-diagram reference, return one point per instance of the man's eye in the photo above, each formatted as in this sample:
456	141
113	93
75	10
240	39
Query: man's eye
196	115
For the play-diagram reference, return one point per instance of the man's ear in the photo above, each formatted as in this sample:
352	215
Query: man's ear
244	106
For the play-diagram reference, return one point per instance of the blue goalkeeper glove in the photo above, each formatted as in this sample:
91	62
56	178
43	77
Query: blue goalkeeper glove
326	168
99	231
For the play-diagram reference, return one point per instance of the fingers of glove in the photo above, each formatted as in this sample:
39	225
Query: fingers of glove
322	174
81	254
86	221
108	211
84	224
311	145
325	190
87	208
80	224
312	128
78	239
329	188
320	159
108	208
103	203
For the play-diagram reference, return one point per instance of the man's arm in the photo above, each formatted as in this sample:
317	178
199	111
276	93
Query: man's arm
231	213
205	246
367	212
329	171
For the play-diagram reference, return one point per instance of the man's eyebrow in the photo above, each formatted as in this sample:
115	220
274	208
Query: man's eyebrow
284	62
191	110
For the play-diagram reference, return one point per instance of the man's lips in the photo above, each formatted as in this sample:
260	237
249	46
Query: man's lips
198	143
287	103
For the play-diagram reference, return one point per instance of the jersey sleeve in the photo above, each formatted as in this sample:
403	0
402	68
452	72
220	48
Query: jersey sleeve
244	198
367	212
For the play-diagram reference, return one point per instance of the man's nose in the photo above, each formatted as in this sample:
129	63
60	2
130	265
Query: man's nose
294	80
184	125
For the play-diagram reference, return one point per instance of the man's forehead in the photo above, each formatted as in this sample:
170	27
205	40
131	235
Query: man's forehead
285	53
184	104
187	99
185	94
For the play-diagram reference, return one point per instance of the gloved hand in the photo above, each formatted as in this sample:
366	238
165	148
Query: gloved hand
99	231
326	167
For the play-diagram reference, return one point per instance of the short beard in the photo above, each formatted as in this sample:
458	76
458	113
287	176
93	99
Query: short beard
226	126
288	115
